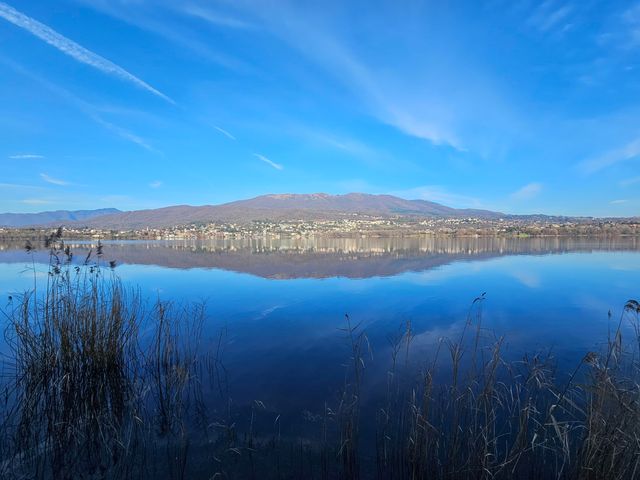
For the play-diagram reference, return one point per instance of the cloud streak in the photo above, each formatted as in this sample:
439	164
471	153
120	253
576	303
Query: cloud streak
20	186
54	181
527	192
155	184
612	157
36	201
546	17
438	194
121	132
275	165
26	156
629	181
224	132
74	50
86	108
214	18
384	100
631	19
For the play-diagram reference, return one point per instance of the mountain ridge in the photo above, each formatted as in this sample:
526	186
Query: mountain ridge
287	206
270	207
17	220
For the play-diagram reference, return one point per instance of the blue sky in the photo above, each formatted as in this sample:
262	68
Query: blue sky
522	107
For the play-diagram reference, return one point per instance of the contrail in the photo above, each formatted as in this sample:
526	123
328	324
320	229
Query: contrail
275	165
224	132
54	181
74	50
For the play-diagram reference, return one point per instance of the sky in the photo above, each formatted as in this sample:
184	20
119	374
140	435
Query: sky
515	106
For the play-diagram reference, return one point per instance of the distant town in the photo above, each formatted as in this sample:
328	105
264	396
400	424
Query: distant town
360	226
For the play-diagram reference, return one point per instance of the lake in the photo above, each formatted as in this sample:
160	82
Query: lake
282	300
278	305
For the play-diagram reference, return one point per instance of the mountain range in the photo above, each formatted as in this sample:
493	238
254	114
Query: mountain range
58	216
316	206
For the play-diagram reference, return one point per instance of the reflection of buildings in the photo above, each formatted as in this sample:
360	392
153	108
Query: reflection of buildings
323	256
393	245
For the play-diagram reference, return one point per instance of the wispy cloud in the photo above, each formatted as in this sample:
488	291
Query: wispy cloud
20	186
85	107
155	184
618	202
527	192
53	181
275	165
629	181
214	17
612	157
123	133
382	97
631	19
73	49
224	132
364	152
26	156
348	145
527	278
622	31
548	15
149	16
439	194
36	201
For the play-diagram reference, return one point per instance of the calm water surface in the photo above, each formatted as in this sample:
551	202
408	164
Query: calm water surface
282	302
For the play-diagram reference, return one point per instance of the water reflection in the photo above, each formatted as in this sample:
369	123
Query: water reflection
323	257
284	341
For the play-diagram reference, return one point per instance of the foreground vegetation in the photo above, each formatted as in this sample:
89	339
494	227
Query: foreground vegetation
99	384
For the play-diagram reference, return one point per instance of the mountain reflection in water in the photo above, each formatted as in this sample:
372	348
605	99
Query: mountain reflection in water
324	257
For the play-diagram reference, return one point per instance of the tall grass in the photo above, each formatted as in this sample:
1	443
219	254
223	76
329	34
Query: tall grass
499	419
85	389
72	374
97	384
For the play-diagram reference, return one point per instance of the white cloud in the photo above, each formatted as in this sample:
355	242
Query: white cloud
137	13
224	132
527	278
155	184
84	107
352	146
275	165
121	132
420	126
546	16
53	181
74	50
391	100
17	185
629	181
527	192
628	152
428	95
618	202
36	201
438	194
26	156
214	18
631	19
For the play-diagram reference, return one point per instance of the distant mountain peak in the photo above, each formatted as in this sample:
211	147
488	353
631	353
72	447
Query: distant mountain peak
276	207
290	196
